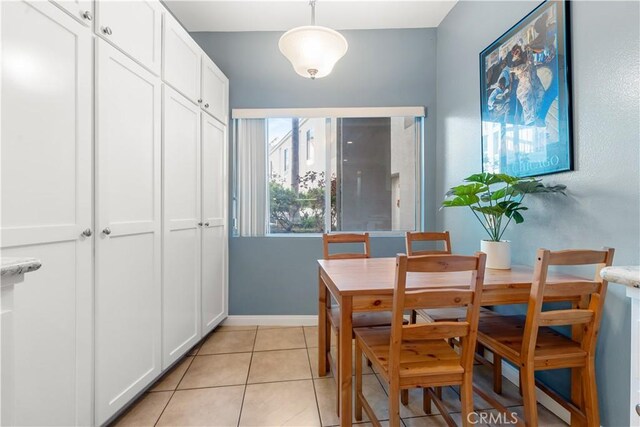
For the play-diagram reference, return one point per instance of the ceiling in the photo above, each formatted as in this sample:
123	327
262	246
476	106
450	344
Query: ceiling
269	15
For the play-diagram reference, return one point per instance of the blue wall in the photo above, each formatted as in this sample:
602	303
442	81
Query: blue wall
604	191
383	68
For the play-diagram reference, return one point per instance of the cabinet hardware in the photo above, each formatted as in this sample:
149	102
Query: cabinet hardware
87	15
638	409
206	105
107	31
199	101
107	231
206	224
200	224
87	232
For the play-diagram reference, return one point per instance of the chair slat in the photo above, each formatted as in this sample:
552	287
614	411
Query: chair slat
346	238
565	317
571	289
441	263
577	257
437	298
328	239
434	331
346	256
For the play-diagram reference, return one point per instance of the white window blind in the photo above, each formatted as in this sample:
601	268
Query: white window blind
252	177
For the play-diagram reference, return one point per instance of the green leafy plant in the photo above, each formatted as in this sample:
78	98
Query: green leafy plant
492	197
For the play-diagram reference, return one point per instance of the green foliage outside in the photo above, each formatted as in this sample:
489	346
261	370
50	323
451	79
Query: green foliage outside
304	211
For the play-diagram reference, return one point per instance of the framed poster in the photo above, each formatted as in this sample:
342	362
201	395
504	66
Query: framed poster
525	95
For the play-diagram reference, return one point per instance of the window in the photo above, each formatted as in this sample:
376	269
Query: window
350	173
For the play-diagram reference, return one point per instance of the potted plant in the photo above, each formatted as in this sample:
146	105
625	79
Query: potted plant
496	200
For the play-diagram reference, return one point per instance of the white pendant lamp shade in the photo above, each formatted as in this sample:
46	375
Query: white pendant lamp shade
313	50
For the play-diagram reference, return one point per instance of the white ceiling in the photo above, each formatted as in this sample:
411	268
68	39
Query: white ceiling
269	15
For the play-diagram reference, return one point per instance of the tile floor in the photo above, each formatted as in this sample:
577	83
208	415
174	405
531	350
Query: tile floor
267	376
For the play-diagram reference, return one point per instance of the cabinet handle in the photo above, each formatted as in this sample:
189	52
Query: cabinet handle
206	224
87	232
87	15
638	409
107	31
200	224
107	231
206	105
199	101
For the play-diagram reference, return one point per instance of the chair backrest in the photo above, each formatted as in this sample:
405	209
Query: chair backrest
363	238
585	315
404	299
427	236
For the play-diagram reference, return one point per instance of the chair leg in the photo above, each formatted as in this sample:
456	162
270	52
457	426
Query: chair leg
497	373
413	319
466	399
426	401
394	404
337	377
439	392
358	408
404	396
520	382
590	393
528	387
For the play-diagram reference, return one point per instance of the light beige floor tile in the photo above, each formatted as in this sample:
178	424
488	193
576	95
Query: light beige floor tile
279	365
326	391
146	411
218	406
311	336
290	403
313	360
483	379
228	342
171	379
223	328
427	421
217	370
278	326
279	339
545	417
414	408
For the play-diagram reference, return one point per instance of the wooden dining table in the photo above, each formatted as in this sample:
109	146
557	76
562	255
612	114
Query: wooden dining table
365	285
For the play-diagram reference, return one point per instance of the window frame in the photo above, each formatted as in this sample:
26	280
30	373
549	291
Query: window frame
419	115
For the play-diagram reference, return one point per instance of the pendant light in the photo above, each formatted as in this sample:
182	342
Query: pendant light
313	50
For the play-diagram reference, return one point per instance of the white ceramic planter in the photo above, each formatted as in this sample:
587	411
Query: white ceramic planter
498	254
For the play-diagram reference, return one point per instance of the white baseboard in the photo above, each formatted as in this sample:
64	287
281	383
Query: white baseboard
295	320
513	375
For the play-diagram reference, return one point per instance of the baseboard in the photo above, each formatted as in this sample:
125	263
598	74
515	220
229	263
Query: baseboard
513	375
266	320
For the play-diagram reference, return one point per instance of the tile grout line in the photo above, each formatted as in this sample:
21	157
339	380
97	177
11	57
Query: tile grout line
175	389
313	383
246	383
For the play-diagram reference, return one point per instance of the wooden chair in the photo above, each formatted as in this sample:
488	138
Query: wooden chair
532	345
378	318
418	355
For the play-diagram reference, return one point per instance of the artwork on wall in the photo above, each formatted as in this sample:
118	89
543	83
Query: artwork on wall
526	96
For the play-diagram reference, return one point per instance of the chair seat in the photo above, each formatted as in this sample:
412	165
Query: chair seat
449	314
420	361
503	334
361	320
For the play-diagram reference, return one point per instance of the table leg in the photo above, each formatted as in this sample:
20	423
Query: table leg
576	383
322	326
345	338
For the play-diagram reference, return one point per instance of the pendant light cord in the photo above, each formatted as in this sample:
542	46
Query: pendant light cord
312	3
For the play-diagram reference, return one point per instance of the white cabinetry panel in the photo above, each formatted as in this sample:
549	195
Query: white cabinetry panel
82	10
46	204
180	60
128	222
215	90
181	216
134	27
214	214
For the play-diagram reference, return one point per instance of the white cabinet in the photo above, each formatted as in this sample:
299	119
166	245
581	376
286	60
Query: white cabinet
134	27
180	59
128	223
46	205
214	214
181	229
215	90
82	10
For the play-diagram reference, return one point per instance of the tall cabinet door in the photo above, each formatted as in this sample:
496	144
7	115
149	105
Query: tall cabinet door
214	232
215	90
128	235
46	204
181	229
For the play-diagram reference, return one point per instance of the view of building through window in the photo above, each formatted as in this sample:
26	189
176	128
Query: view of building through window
346	174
